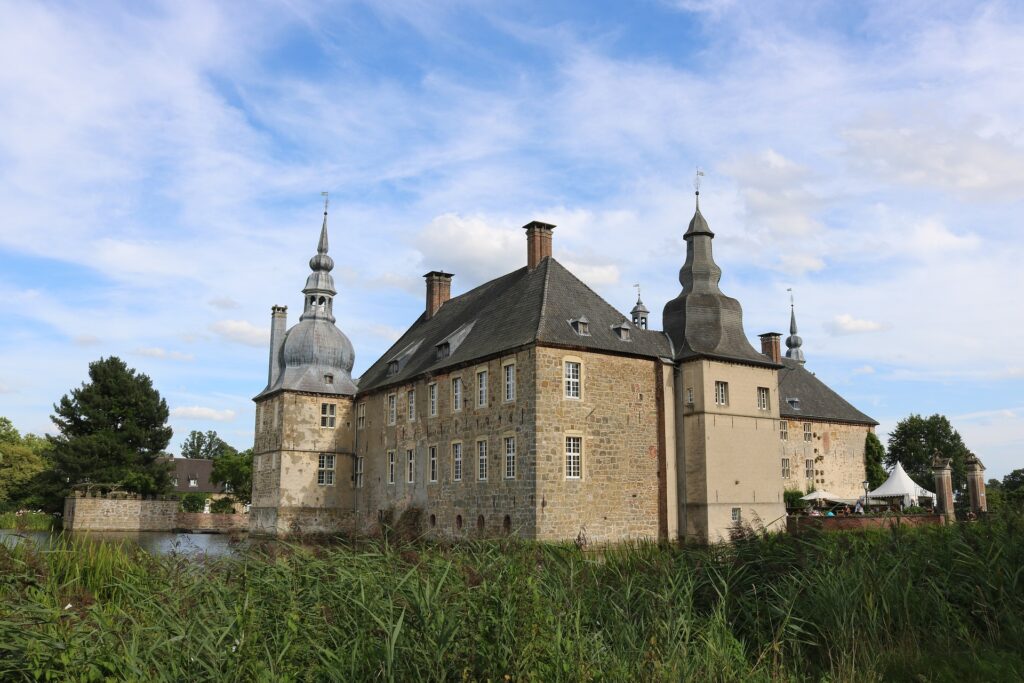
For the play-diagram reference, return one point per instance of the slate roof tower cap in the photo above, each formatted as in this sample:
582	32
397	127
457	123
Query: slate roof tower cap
538	242
702	322
794	341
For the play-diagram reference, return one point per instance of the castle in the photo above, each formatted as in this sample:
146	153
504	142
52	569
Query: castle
530	406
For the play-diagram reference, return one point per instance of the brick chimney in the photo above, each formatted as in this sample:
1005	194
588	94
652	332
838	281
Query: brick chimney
439	290
538	242
278	328
771	345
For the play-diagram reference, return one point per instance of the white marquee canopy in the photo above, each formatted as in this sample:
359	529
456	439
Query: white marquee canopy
899	484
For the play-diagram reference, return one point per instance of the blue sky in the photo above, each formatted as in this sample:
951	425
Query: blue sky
161	168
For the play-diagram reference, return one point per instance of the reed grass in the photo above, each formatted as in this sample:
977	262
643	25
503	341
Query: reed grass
29	521
939	603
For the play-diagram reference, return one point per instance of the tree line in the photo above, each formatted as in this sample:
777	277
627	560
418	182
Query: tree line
112	434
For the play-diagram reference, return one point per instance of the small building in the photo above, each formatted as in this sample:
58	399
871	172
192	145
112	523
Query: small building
193	475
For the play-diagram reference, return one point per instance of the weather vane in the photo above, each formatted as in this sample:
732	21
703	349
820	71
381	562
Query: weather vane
637	285
696	180
326	196
790	290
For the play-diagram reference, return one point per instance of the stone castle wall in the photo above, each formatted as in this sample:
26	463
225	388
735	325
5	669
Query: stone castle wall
140	514
836	455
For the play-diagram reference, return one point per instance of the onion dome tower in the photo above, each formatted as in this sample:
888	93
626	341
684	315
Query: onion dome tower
314	355
702	322
794	341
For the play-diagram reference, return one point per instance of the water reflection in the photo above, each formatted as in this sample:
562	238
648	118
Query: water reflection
154	542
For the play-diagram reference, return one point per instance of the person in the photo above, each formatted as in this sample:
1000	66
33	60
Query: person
858	509
815	512
830	514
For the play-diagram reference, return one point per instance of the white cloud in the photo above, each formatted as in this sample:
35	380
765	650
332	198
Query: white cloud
864	370
847	324
932	236
86	340
472	247
157	352
242	332
202	413
224	303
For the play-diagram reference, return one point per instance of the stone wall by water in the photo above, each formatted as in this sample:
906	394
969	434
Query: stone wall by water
134	513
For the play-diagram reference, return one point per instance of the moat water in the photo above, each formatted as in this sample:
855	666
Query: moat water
154	542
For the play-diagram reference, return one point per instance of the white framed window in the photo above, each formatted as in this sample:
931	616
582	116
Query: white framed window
432	452
457	462
325	470
509	371
410	466
327	414
786	472
359	472
809	468
784	430
572	379
392	409
762	398
481	460
573	457
410	398
193	482
689	396
432	398
456	394
481	388
510	457
808	434
722	393
391	467
737	515
361	416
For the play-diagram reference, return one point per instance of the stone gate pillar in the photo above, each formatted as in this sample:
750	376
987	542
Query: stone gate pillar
943	474
976	484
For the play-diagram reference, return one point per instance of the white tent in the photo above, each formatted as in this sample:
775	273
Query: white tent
899	484
819	495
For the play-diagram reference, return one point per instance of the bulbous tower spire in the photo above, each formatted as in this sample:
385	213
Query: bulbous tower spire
794	341
319	289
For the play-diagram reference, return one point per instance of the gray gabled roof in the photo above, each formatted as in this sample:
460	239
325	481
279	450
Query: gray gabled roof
816	400
514	310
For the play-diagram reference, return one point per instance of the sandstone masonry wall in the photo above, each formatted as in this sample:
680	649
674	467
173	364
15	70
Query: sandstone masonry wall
140	514
836	454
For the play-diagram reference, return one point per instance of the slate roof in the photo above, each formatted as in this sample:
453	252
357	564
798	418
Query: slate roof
194	468
514	310
817	400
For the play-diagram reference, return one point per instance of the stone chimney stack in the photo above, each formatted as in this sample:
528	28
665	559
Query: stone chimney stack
278	327
976	484
439	290
538	242
771	345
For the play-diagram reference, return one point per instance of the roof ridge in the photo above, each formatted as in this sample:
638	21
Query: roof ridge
543	296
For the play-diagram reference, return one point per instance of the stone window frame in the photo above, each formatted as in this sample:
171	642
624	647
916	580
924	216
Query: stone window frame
357	473
410	401
784	430
737	515
507	385
510	456
325	469
570	437
787	472
482	460
328	415
391	466
764	399
361	415
689	396
809	469
410	465
721	393
569	382
457	397
483	389
432	457
456	449
808	432
391	408
432	399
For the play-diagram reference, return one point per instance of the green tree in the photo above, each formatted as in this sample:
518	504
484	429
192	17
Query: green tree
208	446
874	456
1013	488
113	429
914	442
22	459
234	470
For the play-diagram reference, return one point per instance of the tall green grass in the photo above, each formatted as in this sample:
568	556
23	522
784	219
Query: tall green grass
908	604
29	521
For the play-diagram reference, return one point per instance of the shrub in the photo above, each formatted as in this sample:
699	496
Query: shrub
222	506
193	502
792	498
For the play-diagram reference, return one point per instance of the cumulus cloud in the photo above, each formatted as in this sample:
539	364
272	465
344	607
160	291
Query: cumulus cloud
202	413
241	332
86	340
472	247
224	303
847	324
864	370
157	352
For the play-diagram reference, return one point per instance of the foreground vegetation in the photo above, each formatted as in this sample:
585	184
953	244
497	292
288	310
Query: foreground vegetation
30	521
915	604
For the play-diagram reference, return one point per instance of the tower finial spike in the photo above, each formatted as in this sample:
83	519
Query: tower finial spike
327	199
637	286
696	185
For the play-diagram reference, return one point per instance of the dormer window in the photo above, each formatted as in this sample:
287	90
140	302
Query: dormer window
581	326
444	349
393	368
794	403
621	331
328	379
